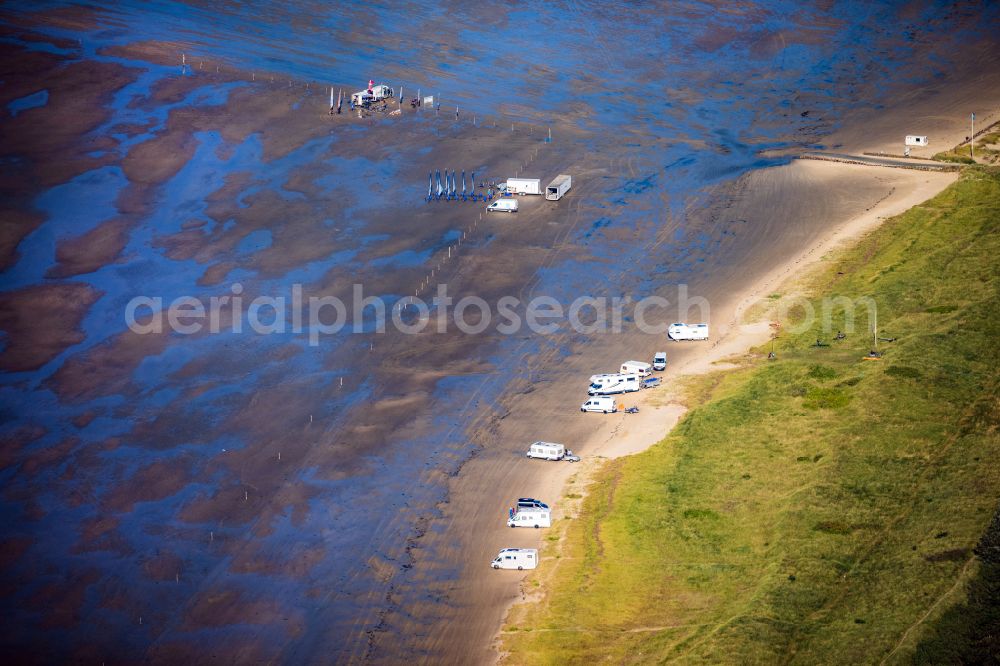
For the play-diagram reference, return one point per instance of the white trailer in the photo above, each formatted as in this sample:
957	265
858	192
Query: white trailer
546	451
640	368
558	188
688	332
524	185
534	517
916	140
502	206
615	384
516	558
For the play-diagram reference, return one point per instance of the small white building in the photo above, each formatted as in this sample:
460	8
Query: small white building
916	140
377	94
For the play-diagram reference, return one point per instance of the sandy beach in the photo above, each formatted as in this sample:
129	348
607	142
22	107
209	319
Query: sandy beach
859	198
294	497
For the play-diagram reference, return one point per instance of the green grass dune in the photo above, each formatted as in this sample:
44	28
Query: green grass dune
817	508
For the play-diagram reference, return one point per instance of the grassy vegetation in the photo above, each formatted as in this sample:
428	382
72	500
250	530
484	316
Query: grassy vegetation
820	507
986	150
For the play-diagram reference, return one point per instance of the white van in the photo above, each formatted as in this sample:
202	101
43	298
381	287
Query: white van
502	206
530	518
516	558
636	367
617	383
688	332
600	403
660	361
546	451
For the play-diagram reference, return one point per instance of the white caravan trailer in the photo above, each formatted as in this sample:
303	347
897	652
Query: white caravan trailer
660	361
600	403
615	384
546	451
516	558
502	206
558	187
688	332
636	367
524	185
916	140
535	517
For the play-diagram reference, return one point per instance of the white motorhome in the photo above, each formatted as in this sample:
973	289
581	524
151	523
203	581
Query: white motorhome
600	403
546	451
600	377
558	188
516	558
688	332
618	383
502	206
524	185
534	517
636	367
660	361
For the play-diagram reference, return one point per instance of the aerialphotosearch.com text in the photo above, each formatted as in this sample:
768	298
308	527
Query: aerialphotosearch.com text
320	316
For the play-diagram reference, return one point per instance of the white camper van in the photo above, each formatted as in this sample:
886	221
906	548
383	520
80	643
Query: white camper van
516	558
535	517
688	332
558	188
660	361
546	451
637	367
617	383
524	185
600	403
502	206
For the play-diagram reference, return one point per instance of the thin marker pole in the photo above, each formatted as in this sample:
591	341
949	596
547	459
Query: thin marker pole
972	136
